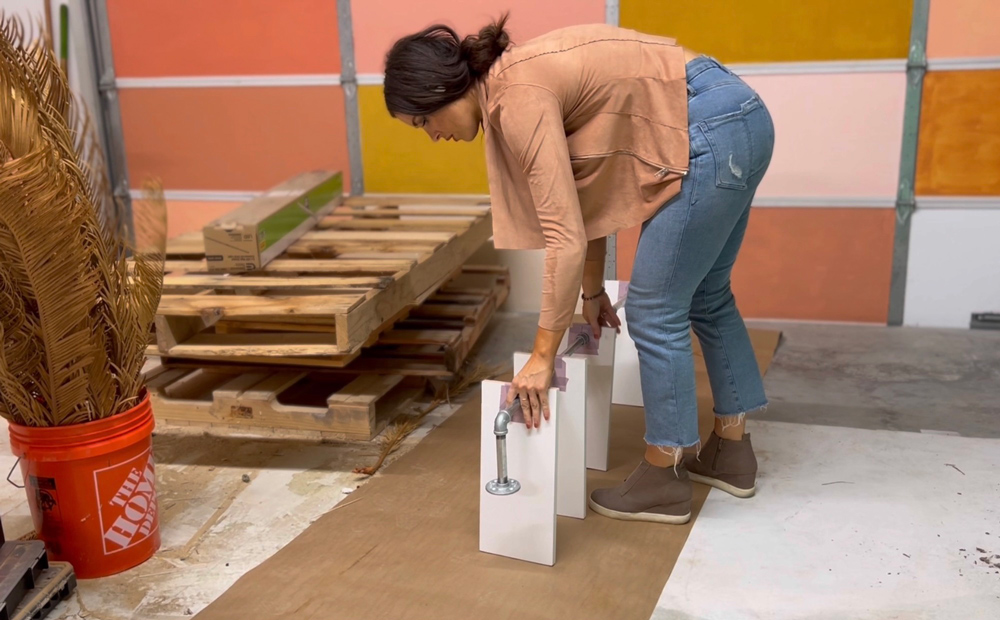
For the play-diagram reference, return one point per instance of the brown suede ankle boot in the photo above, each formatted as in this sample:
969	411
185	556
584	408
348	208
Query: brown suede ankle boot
725	464
658	494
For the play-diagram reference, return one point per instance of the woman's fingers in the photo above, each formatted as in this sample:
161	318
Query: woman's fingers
534	405
522	393
536	409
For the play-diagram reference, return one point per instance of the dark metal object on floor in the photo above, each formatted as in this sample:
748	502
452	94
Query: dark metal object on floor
30	586
985	320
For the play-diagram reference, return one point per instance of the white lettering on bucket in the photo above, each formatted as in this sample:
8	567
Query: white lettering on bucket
131	509
126	490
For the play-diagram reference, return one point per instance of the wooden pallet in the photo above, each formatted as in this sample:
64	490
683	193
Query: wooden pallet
443	330
433	341
308	404
332	292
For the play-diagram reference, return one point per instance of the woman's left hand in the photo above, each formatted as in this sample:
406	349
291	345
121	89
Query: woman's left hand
532	386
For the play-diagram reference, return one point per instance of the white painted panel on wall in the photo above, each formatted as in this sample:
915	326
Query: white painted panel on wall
25	9
82	79
525	275
954	266
836	135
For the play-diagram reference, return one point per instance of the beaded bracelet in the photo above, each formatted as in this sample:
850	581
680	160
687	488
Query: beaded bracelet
599	293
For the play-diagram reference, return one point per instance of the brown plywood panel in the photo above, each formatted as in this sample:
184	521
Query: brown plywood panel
232	138
820	264
958	152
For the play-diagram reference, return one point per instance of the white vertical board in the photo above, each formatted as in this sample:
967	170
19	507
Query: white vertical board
954	266
600	377
523	525
627	388
571	465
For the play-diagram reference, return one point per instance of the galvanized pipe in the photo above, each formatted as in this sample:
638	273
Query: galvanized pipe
502	460
503	485
583	339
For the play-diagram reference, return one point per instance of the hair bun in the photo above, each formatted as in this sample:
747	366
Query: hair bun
481	50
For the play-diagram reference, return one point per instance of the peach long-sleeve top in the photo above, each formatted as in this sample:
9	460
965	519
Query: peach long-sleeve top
586	134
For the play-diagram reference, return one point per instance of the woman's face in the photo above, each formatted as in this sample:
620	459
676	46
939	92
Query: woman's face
459	120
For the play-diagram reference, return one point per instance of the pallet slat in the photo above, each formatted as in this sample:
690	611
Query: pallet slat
253	305
396	200
283	400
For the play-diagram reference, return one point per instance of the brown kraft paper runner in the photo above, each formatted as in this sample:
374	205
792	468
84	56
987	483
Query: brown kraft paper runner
406	545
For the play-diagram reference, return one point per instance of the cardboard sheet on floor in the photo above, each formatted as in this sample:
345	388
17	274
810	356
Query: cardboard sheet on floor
405	546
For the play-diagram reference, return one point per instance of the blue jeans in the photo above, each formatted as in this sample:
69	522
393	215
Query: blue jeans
686	252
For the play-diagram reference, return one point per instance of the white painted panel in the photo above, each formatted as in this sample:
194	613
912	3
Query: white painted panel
836	135
571	466
26	10
525	267
954	266
600	377
847	523
522	525
82	78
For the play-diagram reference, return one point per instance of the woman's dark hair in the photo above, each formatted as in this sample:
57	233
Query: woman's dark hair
426	71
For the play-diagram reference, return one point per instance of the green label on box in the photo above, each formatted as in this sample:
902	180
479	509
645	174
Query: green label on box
275	227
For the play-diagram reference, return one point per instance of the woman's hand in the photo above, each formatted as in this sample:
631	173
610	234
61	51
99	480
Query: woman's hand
532	386
600	312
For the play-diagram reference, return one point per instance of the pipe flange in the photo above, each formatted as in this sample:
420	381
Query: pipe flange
495	487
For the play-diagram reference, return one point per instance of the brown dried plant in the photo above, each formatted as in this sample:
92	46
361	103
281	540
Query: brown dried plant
77	295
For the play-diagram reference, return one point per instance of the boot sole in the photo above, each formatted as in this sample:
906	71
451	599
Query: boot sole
652	517
723	486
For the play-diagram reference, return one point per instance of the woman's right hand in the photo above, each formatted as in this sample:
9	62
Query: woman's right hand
600	312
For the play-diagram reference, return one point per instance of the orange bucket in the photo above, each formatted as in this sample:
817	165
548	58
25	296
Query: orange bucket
92	490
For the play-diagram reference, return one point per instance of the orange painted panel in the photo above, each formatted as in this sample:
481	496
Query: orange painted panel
184	216
809	263
379	23
962	28
232	138
223	37
958	151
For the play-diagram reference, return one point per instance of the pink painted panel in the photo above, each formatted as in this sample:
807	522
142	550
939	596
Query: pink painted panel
962	28
835	134
379	23
184	216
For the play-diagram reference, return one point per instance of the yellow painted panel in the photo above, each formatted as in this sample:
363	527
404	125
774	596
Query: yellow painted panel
778	30
398	158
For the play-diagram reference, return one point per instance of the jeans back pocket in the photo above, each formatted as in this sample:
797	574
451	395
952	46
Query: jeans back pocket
729	137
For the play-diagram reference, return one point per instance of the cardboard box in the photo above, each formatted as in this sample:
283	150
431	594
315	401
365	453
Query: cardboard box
263	228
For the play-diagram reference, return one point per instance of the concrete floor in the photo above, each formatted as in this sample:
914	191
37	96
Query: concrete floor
216	527
905	379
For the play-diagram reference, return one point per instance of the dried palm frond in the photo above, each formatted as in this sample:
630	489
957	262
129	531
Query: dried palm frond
75	313
393	437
